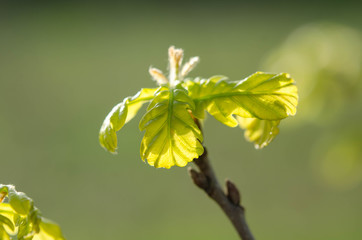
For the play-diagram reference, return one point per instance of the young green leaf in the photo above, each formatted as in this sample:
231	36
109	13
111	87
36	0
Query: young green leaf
19	201
260	132
171	137
200	88
120	115
261	95
49	230
7	222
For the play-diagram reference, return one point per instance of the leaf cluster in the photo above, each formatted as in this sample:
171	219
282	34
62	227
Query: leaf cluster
172	135
20	220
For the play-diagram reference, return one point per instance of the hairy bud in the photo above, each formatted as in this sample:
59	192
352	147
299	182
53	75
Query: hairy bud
157	75
175	56
191	64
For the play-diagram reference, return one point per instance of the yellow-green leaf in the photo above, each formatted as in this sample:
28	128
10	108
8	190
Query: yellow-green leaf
21	203
7	222
120	115
200	88
260	132
261	95
171	137
48	230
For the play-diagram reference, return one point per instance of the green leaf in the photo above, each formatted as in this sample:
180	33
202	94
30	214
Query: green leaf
120	115
49	230
3	234
25	230
261	95
8	212
260	132
171	137
199	88
7	222
21	203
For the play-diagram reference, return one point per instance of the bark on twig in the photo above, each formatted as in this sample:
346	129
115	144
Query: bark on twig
229	202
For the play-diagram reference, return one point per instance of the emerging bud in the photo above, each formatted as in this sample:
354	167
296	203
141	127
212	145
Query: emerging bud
157	75
175	56
232	193
191	64
175	59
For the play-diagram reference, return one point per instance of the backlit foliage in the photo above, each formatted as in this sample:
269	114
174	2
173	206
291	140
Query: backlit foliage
172	136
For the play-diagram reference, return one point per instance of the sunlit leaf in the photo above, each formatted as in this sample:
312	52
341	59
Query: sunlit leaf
120	115
7	212
20	202
3	234
261	95
260	132
7	222
199	88
171	137
48	230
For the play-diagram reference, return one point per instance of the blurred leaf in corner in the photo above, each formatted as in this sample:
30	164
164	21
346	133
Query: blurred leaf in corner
326	62
337	159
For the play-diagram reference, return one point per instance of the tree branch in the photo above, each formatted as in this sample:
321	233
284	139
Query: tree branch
229	202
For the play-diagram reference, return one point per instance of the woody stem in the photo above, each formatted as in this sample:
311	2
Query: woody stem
228	201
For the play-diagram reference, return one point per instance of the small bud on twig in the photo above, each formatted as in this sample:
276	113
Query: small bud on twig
232	192
199	179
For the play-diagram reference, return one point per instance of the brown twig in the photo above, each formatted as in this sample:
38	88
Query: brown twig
229	201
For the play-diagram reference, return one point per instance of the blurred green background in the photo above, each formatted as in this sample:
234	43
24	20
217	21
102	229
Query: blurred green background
64	66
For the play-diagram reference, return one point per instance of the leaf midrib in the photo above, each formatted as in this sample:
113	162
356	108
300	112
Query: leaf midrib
231	94
169	118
